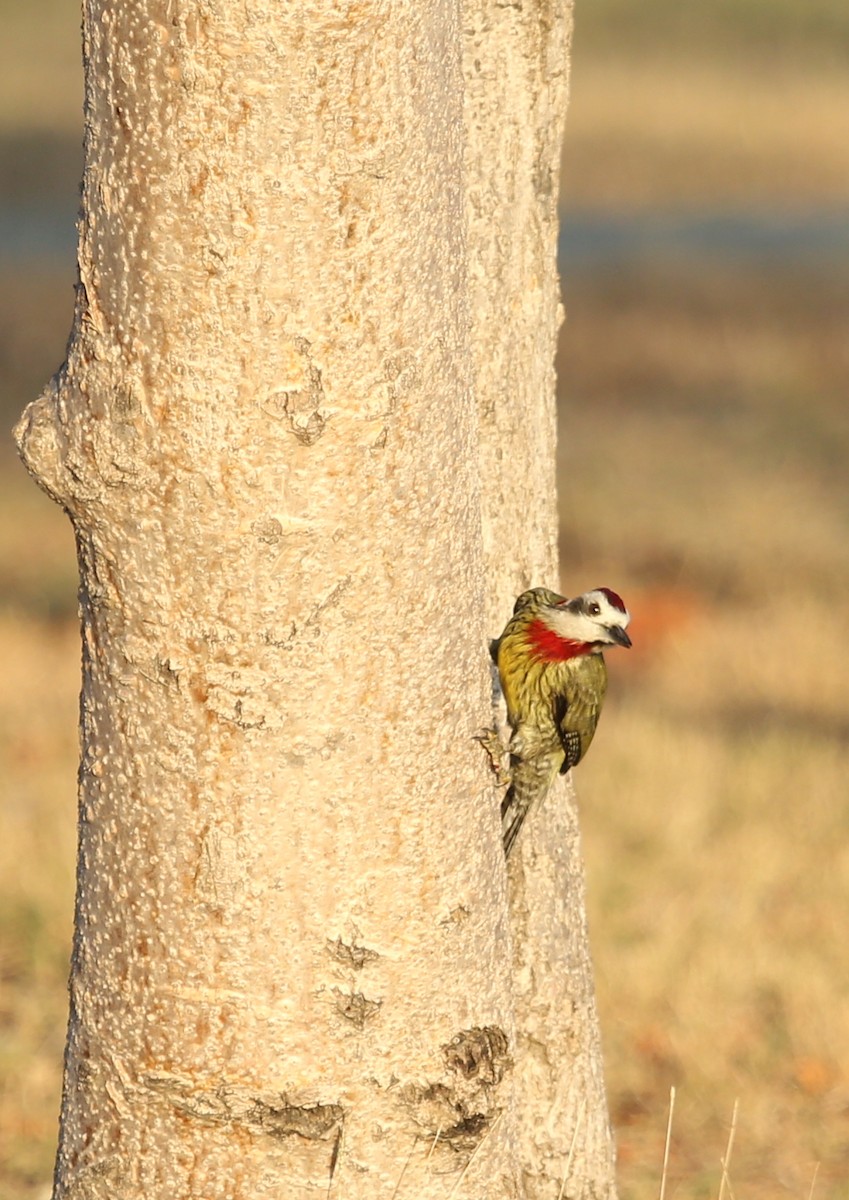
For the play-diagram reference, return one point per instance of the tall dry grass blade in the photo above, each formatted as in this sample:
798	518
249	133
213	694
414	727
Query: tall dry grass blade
410	1155
404	1170
668	1140
474	1155
571	1157
813	1182
433	1146
726	1162
334	1159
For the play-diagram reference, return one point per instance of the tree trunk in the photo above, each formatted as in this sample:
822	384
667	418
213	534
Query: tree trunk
516	67
291	972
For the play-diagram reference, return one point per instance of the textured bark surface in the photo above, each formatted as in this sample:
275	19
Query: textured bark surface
516	61
292	964
289	975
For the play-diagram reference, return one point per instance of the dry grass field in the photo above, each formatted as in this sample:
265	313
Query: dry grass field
705	443
703	473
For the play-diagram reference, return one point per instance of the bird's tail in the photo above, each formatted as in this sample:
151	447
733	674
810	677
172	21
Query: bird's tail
530	781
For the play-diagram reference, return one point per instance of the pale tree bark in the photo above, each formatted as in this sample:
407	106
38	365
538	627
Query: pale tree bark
516	66
292	970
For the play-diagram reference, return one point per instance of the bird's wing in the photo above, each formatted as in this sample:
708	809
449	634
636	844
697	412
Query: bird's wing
570	739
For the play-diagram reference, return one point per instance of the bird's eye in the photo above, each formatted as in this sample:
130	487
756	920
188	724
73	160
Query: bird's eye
594	610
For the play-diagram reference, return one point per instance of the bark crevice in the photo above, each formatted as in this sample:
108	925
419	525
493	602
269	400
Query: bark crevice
270	1113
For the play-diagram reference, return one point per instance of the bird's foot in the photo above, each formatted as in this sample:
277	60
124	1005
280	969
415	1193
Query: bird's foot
496	752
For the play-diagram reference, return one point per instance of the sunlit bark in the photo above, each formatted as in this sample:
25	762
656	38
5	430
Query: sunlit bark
292	971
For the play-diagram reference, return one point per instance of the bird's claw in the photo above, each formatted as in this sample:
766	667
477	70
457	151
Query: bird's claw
496	751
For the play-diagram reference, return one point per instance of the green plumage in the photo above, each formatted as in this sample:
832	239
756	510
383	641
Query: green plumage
552	707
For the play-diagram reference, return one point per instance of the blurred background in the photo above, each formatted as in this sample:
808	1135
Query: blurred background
704	474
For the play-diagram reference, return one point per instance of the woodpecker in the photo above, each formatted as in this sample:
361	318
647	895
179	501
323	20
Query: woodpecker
553	677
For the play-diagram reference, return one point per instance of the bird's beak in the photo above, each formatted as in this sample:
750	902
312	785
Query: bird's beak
619	635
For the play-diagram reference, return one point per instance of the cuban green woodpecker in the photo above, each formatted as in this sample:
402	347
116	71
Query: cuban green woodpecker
553	677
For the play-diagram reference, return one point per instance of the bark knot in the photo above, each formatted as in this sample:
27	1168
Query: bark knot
355	1007
478	1053
460	1108
313	1121
271	1113
301	397
42	445
353	955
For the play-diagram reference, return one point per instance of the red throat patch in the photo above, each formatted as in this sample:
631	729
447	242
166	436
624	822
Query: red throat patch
549	646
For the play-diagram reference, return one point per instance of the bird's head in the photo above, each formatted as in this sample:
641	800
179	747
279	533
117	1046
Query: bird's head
537	597
587	624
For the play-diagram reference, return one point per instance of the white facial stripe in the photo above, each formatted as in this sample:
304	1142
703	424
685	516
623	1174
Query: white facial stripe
608	615
580	626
